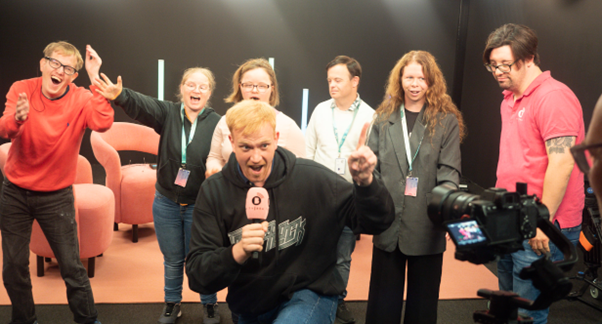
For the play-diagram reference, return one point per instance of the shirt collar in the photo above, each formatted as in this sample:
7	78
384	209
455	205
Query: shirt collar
355	103
534	84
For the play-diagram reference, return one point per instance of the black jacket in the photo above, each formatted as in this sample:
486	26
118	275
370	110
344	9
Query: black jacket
310	203
164	117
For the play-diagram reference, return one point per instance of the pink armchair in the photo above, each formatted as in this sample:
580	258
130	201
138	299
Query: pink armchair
134	184
94	214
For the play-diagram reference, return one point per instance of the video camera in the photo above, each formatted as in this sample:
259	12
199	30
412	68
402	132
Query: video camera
485	226
495	223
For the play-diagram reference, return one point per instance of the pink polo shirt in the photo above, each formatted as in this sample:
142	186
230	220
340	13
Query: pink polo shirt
547	109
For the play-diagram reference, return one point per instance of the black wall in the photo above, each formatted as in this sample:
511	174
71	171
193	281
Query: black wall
302	36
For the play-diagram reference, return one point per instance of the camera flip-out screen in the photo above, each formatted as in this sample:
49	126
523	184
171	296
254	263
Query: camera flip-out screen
466	234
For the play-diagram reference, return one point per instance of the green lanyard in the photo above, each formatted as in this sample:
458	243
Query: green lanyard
334	126
191	135
406	138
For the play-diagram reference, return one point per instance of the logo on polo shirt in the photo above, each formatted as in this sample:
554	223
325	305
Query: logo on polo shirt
521	113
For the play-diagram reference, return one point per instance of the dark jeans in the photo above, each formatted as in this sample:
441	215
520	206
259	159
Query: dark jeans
55	213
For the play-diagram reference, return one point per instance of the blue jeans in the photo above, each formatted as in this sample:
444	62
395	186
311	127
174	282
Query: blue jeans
304	307
510	265
173	224
345	247
55	213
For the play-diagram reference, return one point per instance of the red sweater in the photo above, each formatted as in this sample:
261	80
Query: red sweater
43	155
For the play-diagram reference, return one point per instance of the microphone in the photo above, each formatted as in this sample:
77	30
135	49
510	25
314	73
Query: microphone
257	207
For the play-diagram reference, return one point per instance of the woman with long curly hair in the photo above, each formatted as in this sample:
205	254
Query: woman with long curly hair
416	136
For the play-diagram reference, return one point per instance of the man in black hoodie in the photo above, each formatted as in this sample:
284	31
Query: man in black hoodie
293	280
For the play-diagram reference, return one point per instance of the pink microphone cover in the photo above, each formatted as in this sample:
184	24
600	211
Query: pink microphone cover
258	203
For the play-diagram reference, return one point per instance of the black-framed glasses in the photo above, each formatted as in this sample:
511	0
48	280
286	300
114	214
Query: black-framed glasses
262	87
504	68
55	64
584	155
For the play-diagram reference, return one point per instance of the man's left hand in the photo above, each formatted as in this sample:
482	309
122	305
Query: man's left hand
362	161
540	243
93	63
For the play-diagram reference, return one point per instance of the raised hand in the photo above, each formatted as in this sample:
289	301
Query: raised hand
22	109
106	88
93	63
362	161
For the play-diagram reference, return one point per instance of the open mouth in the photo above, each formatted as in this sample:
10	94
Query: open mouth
56	80
195	100
256	168
254	98
415	92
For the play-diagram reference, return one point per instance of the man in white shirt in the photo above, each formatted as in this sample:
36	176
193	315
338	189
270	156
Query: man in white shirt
332	135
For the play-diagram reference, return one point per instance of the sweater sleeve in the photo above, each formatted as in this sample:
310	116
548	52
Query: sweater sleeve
147	110
99	113
291	136
9	127
215	160
210	266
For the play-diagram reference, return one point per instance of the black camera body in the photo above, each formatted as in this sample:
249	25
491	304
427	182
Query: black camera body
483	226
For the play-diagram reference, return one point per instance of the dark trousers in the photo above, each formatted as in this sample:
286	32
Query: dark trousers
55	213
385	299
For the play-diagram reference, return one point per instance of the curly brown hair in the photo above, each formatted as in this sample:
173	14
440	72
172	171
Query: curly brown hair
437	99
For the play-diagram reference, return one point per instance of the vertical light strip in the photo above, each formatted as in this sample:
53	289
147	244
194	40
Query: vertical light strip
271	60
304	110
161	78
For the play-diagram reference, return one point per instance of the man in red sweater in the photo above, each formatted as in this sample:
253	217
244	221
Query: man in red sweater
45	119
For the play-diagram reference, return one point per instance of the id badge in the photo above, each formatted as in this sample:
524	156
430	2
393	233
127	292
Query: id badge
340	165
182	177
411	186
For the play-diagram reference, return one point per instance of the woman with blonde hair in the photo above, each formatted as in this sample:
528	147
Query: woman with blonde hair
416	136
255	80
185	128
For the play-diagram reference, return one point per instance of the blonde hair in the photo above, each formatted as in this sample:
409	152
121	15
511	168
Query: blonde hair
205	71
437	99
66	49
249	116
252	64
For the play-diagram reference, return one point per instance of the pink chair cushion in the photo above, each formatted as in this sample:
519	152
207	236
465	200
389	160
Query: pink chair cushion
137	193
96	208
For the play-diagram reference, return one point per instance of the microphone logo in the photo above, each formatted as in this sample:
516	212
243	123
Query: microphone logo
256	200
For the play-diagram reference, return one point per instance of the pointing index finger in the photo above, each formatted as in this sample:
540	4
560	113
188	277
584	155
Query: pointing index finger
362	140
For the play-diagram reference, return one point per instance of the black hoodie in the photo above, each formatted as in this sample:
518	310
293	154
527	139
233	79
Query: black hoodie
310	203
165	118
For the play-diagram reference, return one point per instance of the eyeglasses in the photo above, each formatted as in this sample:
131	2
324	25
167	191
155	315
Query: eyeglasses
504	68
262	87
584	155
202	88
55	64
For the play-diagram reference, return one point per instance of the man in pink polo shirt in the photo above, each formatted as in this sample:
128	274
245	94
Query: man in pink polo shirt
541	120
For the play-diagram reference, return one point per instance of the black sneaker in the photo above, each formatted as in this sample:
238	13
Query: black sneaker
344	316
170	313
211	314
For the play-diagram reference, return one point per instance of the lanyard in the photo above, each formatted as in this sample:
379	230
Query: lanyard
406	138
190	136
334	126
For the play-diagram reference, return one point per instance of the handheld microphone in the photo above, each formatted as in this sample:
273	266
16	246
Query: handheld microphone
257	207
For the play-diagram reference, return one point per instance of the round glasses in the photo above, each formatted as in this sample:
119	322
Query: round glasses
262	87
202	88
504	68
55	64
584	155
